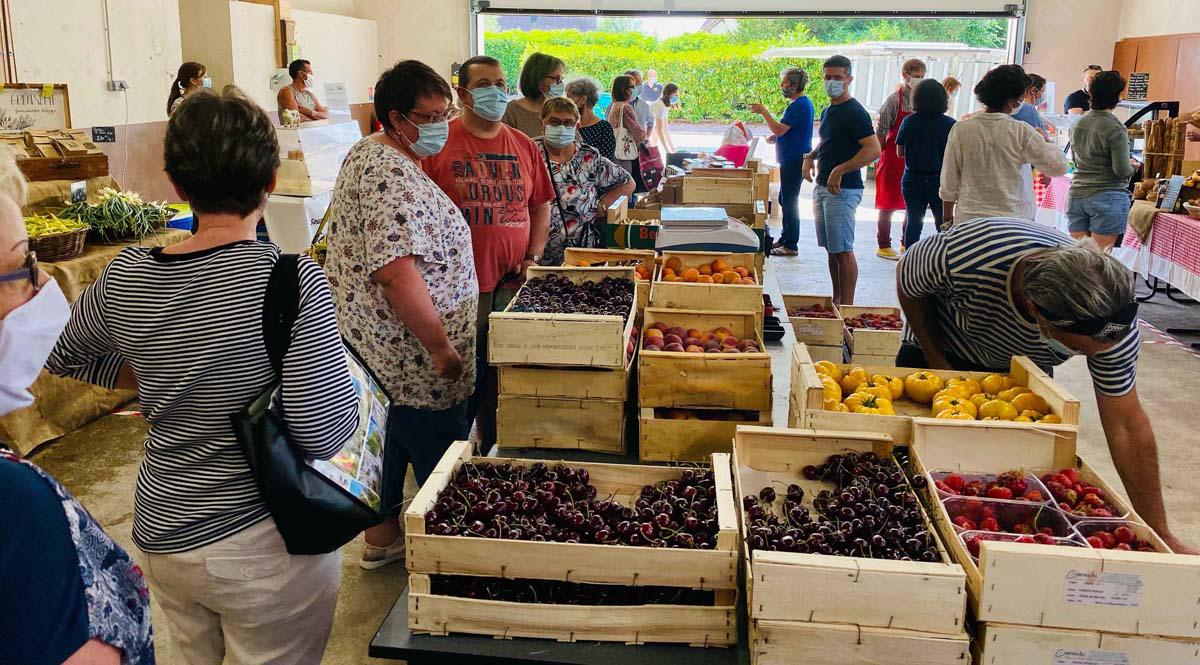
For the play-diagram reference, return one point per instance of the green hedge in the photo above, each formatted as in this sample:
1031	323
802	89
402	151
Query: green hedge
713	75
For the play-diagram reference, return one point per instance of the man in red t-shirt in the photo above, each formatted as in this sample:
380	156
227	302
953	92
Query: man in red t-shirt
496	176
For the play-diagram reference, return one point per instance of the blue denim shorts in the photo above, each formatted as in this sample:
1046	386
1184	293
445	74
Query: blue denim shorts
1105	213
834	214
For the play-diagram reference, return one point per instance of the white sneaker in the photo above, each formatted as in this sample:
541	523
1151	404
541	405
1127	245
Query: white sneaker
377	557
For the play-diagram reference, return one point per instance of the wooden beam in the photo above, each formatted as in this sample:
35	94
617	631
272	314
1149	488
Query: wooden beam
283	11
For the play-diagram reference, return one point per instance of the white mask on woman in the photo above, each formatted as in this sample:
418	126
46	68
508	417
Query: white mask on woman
27	336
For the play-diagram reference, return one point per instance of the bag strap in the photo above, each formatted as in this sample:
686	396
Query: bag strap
281	307
562	214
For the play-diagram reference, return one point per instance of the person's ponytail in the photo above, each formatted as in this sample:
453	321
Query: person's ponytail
187	72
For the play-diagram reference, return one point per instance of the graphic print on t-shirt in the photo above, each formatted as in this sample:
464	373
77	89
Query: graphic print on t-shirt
492	190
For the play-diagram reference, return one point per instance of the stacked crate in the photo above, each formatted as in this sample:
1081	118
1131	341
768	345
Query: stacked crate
641	260
825	337
813	609
564	379
871	346
1060	603
432	557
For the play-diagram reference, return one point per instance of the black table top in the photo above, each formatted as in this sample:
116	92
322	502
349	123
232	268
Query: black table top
395	641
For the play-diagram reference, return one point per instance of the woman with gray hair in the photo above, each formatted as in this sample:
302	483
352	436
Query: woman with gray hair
593	130
993	288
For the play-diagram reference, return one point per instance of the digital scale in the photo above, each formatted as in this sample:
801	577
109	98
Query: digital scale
704	230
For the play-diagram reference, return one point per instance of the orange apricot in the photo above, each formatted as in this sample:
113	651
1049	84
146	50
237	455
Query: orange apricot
705	279
691	275
705	269
741	271
674	264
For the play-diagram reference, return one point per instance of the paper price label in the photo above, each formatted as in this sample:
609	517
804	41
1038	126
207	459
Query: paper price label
1090	657
809	329
47	89
1109	589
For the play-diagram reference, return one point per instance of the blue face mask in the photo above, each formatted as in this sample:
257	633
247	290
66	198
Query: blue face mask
560	137
835	89
674	100
637	92
557	90
206	82
489	102
431	139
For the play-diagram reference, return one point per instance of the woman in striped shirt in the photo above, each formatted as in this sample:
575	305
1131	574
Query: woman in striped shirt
994	288
183	325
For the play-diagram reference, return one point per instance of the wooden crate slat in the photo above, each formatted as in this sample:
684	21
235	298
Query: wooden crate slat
805	643
1001	644
531	381
669	440
561	423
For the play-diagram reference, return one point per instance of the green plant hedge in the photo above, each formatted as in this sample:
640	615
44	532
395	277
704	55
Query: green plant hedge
712	74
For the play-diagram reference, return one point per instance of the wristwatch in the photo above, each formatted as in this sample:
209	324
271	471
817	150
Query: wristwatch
533	257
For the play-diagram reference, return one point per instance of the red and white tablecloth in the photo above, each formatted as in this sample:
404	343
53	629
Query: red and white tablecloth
1052	201
1172	253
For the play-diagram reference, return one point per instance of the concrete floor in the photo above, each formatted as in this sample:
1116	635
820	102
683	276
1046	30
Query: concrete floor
98	463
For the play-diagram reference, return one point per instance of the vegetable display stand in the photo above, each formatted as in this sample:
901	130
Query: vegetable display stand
580	340
680	380
619	566
1071	583
808	399
642	261
701	296
871	341
793	587
813	643
674	435
1001	644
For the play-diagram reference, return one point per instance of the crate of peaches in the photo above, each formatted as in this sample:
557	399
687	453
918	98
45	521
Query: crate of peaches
708	281
612	552
884	398
1044	540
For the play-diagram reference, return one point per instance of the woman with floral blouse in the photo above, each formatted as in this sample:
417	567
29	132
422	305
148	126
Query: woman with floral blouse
585	183
403	278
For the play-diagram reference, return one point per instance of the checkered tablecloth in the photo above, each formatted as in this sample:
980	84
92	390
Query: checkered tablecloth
1172	254
1054	195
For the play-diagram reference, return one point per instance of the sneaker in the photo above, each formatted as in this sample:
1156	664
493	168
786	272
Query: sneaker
784	251
887	253
377	557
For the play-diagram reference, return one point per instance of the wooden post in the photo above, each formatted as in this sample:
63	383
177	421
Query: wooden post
283	12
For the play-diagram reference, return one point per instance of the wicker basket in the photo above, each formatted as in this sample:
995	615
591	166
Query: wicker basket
59	246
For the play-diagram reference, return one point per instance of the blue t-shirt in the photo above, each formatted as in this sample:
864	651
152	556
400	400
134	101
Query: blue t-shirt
924	137
1028	114
41	592
797	142
842	127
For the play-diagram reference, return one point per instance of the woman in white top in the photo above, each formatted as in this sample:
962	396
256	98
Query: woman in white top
661	108
986	170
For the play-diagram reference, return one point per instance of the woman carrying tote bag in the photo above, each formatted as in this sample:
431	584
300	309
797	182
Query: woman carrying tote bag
629	133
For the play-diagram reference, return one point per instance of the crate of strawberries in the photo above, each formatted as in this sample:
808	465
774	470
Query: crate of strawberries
608	536
815	319
1044	540
874	331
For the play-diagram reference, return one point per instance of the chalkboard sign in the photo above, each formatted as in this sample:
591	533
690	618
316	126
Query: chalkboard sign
1138	87
1171	196
104	134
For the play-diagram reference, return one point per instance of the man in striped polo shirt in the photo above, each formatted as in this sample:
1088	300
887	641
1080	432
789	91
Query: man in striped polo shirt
993	288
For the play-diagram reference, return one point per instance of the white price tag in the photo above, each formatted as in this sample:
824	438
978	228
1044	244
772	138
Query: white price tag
810	329
1110	589
1090	657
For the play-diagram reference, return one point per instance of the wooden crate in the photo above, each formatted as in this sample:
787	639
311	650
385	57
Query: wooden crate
813	330
1139	593
871	359
597	425
662	438
578	340
788	586
1003	644
717	191
714	625
739	381
808	392
811	643
576	562
718	297
575	256
833	354
872	342
580	383
56	167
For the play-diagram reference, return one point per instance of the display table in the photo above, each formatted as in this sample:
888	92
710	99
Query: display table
292	220
63	405
395	641
1171	253
1052	202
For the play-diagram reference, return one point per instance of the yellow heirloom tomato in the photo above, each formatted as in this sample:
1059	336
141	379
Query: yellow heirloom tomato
829	369
998	409
922	386
956	403
894	384
1030	402
1012	393
853	379
968	386
870	404
995	383
876	390
954	414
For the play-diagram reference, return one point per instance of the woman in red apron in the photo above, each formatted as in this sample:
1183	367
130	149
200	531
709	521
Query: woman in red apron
890	168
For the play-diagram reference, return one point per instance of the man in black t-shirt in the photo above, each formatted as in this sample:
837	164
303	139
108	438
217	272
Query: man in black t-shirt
1080	101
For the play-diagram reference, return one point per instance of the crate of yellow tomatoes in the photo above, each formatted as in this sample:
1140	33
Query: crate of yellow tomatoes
888	399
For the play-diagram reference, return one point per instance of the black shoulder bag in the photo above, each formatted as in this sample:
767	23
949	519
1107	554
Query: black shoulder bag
313	514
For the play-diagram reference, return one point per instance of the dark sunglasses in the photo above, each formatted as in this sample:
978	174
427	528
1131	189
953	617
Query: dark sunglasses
28	270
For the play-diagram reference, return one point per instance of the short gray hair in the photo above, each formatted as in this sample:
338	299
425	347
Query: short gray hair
586	87
797	77
1078	281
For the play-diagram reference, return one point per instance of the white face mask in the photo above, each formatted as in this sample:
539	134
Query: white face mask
27	336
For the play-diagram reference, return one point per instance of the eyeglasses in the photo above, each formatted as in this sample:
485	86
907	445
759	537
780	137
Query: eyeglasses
426	118
557	122
553	79
28	270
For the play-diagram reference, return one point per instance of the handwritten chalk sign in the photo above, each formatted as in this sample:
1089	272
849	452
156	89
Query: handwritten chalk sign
1138	87
104	134
1171	196
28	106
